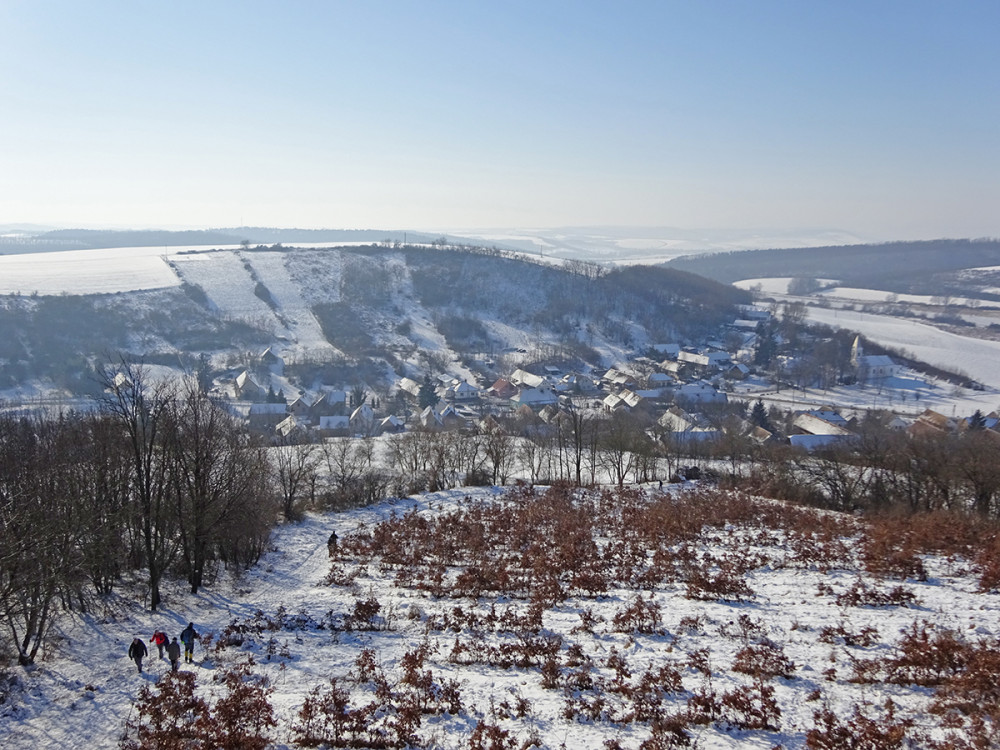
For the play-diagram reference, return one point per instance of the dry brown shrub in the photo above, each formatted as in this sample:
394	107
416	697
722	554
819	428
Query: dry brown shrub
860	731
764	661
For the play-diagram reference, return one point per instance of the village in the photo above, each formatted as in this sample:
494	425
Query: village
767	378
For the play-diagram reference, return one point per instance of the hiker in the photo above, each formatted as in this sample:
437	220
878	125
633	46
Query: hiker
137	651
160	639
174	654
331	544
187	638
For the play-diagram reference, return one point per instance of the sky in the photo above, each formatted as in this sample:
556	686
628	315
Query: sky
873	117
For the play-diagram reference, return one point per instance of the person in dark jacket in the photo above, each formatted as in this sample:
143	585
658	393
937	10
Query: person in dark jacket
136	652
331	544
188	636
174	654
161	640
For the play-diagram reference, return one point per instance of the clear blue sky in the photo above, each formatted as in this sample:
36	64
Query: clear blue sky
881	118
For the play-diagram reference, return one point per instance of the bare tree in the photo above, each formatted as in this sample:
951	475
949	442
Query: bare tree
498	446
216	469
295	468
141	410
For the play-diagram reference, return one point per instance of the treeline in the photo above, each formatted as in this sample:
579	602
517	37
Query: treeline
158	478
893	266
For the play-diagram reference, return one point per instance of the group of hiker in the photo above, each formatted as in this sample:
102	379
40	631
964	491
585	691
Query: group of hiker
137	650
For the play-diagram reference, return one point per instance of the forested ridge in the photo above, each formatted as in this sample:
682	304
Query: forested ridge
893	266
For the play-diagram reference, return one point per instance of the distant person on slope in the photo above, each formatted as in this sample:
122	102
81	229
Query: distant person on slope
188	636
174	654
331	544
136	652
160	639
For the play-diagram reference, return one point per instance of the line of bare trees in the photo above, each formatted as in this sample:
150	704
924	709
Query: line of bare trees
158	478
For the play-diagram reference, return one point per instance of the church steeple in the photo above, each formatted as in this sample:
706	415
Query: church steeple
857	351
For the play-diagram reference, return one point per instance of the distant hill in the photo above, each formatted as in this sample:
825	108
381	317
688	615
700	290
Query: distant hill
927	267
88	239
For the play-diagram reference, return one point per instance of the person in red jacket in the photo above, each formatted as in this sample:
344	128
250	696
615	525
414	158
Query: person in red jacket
160	639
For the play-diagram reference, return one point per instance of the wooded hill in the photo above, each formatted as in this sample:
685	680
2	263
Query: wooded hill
927	267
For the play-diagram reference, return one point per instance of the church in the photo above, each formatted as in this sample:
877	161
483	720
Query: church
869	368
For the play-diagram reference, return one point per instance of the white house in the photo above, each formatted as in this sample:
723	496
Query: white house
459	390
246	388
700	392
525	379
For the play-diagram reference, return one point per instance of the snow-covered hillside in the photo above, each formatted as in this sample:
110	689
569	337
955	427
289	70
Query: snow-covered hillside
804	600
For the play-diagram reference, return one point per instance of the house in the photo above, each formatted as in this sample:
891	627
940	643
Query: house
676	419
700	392
265	417
754	313
333	425
502	388
329	404
459	390
931	423
525	379
738	371
535	397
680	427
300	408
612	402
660	380
410	386
268	358
573	383
290	428
440	417
362	419
615	378
390	425
708	359
247	389
821	423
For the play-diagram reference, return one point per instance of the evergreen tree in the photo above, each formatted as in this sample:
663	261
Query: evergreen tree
427	396
977	421
758	416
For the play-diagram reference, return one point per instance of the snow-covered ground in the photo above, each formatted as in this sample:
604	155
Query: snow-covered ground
86	271
81	692
978	358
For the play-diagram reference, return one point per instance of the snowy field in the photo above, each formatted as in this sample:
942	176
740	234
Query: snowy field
81	692
86	271
978	358
778	285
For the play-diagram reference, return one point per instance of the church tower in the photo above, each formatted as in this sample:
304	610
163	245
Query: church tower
857	352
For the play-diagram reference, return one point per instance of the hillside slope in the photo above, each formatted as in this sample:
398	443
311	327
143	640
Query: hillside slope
404	310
